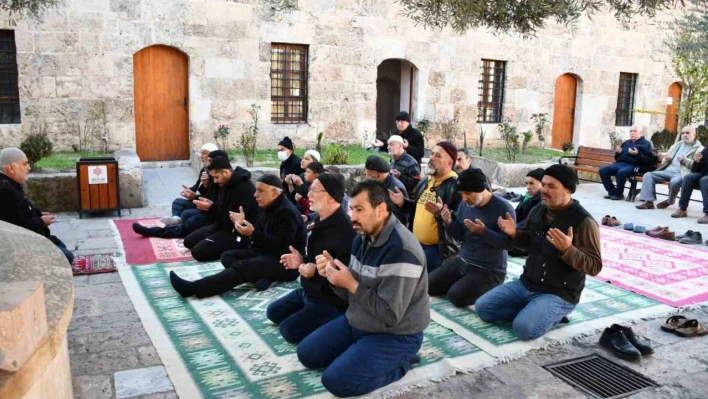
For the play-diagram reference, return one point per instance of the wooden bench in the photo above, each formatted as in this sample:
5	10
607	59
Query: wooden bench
591	159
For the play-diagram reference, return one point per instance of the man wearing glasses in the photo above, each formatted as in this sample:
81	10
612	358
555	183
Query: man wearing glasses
633	153
676	164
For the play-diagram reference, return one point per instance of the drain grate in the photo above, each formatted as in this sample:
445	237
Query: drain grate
600	377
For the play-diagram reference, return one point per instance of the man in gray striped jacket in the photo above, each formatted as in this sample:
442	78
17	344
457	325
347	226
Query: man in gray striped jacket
386	286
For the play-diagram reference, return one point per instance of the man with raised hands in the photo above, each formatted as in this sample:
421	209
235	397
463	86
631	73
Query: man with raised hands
304	310
386	286
563	242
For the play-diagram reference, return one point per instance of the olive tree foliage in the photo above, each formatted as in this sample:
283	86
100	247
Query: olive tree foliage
17	9
524	17
688	44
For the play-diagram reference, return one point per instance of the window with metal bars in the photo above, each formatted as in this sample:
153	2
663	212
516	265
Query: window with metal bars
624	114
288	83
491	91
9	91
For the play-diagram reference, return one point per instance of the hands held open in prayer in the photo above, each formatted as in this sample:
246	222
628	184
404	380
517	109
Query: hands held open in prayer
204	179
298	197
560	240
187	193
203	204
476	226
241	225
698	157
294	261
633	151
48	218
396	197
434	207
507	225
336	272
446	215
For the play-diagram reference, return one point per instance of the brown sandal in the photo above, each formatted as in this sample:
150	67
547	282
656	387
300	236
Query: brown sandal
691	328
673	322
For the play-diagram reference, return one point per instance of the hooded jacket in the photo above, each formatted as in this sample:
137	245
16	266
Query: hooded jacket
17	209
238	192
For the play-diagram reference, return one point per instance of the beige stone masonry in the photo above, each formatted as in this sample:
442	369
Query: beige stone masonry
23	322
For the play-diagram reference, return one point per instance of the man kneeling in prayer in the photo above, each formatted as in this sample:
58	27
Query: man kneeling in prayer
386	285
279	227
481	264
563	241
304	310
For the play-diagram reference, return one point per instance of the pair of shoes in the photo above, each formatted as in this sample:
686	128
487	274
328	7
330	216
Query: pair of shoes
680	213
662	232
703	220
683	327
617	197
611	221
623	343
645	205
664	204
691	237
171	220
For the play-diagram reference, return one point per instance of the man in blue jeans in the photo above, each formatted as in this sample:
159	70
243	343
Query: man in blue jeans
698	178
386	286
635	152
563	242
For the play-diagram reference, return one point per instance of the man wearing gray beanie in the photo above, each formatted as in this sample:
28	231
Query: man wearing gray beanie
15	207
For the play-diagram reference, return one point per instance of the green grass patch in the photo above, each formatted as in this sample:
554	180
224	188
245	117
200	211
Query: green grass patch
65	159
533	155
269	158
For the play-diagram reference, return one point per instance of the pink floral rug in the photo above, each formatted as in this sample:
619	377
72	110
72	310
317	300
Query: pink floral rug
669	272
140	250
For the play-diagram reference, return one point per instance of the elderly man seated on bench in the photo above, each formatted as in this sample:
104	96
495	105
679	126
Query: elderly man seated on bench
676	164
633	153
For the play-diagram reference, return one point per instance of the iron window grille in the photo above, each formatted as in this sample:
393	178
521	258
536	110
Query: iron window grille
9	91
288	83
491	91
624	114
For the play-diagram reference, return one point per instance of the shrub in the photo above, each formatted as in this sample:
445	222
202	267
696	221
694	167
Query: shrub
568	147
423	125
318	147
481	140
335	154
528	136
615	139
540	121
221	134
249	137
511	139
36	146
663	140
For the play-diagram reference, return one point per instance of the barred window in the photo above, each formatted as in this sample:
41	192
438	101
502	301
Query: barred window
288	83
9	92
491	91
624	114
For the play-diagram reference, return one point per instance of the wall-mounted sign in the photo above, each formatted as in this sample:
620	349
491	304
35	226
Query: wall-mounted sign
98	174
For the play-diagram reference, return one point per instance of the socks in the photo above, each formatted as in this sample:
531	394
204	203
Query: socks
146	231
183	287
263	284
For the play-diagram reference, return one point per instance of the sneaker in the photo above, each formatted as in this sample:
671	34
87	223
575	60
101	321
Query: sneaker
171	220
695	238
703	220
680	213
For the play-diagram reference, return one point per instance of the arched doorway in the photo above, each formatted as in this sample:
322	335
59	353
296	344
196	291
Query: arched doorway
563	110
672	104
161	103
395	82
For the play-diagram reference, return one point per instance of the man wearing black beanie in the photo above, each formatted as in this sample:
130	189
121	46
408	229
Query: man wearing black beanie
289	162
533	194
563	242
413	141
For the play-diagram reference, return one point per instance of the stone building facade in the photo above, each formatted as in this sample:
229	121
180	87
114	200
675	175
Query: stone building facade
83	54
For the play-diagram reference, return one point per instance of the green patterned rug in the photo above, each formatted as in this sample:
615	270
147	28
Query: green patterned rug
224	347
601	305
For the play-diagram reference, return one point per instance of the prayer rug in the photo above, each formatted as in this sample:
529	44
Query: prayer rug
601	305
92	264
225	347
141	250
672	273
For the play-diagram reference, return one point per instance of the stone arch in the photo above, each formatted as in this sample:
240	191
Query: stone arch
396	90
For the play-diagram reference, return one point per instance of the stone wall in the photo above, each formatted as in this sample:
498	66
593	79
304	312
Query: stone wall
82	53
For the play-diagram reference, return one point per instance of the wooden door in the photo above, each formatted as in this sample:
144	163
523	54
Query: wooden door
161	104
563	110
671	121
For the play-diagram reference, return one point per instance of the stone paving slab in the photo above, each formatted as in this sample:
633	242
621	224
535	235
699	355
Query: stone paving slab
132	383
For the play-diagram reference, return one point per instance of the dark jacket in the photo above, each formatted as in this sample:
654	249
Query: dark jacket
290	166
335	235
643	157
545	271
410	171
416	146
524	208
237	193
211	192
279	227
17	209
447	191
702	165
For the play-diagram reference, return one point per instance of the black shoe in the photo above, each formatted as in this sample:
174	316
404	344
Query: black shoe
263	284
147	231
183	287
617	197
695	238
617	343
686	234
644	349
414	360
608	196
564	320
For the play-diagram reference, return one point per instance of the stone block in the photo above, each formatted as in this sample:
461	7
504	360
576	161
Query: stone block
53	42
130	172
127	9
93	387
53	192
23	322
138	382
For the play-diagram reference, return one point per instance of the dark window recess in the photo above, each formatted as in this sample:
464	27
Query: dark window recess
600	377
288	83
9	91
491	91
624	114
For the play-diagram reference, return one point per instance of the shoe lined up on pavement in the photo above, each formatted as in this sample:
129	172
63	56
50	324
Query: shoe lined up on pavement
611	221
662	232
623	343
691	237
684	327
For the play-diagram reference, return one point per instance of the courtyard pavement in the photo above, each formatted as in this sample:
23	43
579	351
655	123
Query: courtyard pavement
113	357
